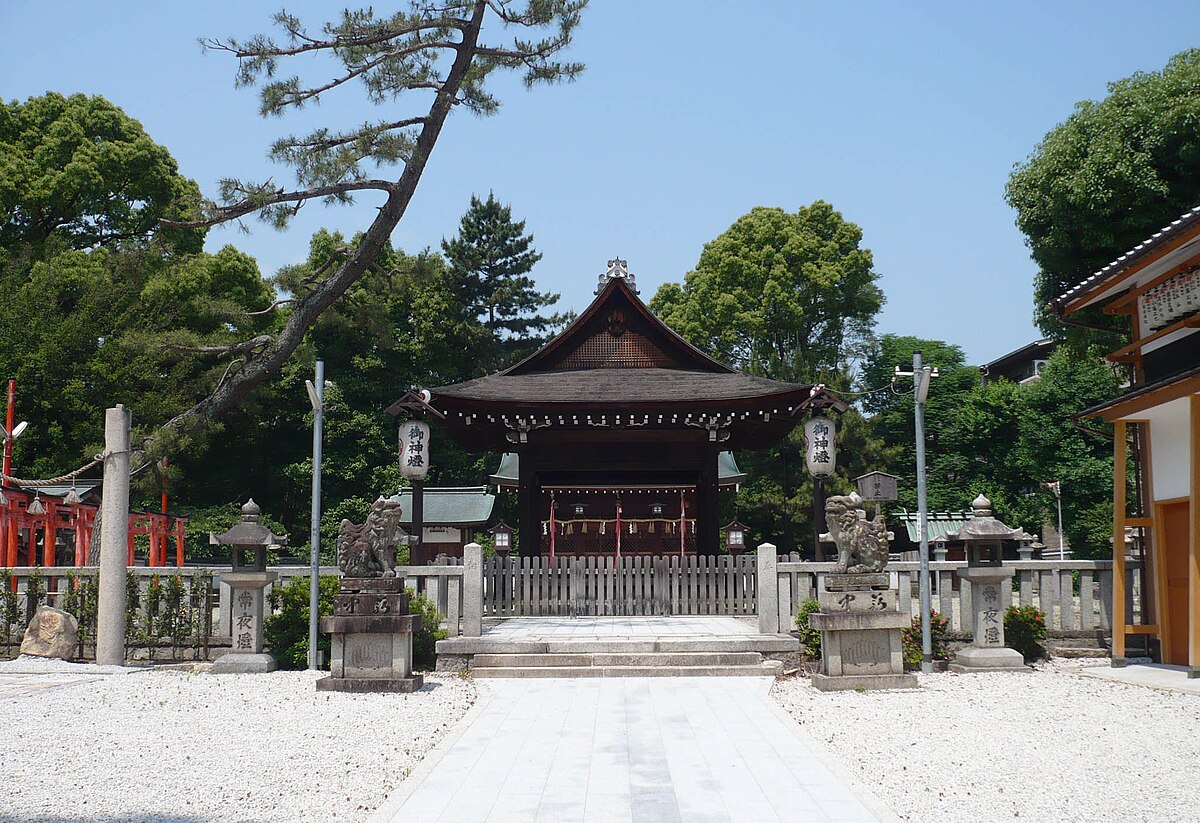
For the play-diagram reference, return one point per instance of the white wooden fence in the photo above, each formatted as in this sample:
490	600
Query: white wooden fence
1075	595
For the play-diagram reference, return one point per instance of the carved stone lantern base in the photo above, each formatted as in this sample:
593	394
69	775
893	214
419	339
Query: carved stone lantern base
860	623
246	656
371	638
991	591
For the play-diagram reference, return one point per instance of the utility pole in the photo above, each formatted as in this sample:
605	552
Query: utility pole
316	396
921	376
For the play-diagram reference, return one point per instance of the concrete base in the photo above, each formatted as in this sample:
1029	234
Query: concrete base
371	684
991	659
234	663
1122	662
870	682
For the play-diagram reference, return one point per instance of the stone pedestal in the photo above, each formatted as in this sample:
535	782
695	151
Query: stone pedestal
246	624
991	588
371	638
860	623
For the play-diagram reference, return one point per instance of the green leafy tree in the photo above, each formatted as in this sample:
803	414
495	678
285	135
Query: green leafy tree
791	296
490	262
79	169
1112	174
1079	455
890	406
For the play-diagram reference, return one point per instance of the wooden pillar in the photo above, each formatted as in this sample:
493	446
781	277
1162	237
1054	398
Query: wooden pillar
179	543
12	543
1194	542
528	516
1120	455
80	559
132	537
49	555
708	506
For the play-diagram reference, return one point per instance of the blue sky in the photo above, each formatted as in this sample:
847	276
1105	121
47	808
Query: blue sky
907	117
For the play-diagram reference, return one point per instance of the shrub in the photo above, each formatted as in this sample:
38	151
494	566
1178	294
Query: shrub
1024	627
810	639
286	631
428	633
10	608
910	639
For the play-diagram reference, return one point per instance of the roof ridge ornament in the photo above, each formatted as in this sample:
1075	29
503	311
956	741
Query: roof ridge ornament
618	268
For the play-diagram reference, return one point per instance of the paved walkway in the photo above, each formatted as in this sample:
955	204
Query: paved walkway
1155	675
650	750
624	628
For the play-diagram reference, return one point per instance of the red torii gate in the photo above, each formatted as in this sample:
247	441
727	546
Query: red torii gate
79	519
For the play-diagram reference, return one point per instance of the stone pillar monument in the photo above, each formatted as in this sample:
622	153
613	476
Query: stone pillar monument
114	539
860	618
371	629
246	582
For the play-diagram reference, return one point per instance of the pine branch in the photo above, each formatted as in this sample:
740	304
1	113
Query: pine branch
258	200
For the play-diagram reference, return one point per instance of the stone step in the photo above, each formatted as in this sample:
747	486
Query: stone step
1078	651
732	643
769	668
481	661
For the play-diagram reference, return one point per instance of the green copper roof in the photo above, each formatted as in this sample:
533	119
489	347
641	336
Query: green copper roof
506	475
939	524
457	506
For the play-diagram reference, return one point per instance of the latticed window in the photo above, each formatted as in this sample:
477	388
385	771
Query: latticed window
604	350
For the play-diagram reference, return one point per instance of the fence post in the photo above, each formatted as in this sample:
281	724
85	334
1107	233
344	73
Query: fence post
472	590
768	589
114	530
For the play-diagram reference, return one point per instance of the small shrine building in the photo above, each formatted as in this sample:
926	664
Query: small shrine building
618	430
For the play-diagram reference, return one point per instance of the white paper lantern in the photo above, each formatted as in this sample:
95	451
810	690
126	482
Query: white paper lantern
414	449
820	439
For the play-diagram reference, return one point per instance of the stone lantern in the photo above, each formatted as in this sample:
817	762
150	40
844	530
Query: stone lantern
983	538
249	540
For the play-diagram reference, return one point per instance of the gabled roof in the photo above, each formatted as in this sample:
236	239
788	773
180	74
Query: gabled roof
617	331
1107	276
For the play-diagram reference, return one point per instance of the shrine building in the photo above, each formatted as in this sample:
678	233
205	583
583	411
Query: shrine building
1156	421
617	434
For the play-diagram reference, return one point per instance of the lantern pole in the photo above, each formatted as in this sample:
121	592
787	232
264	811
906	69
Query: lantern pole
316	395
818	510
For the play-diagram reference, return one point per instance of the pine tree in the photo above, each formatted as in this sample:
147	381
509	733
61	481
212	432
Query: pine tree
490	261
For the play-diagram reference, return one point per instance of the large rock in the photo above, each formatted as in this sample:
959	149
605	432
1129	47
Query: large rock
51	633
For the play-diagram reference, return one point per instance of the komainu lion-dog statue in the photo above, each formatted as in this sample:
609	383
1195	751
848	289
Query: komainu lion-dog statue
862	544
369	549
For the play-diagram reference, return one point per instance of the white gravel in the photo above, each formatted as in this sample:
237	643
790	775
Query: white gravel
162	744
1050	745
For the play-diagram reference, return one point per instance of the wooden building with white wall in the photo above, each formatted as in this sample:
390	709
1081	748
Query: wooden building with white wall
1157	420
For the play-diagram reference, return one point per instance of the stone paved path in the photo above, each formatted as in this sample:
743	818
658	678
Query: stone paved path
650	750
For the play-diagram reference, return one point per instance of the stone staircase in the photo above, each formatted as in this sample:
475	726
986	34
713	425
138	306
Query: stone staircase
692	657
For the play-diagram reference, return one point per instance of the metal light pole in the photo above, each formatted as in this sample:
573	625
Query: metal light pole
921	377
1058	498
316	396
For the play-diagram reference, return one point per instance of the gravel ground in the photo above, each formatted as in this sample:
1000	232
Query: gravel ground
180	746
1050	745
